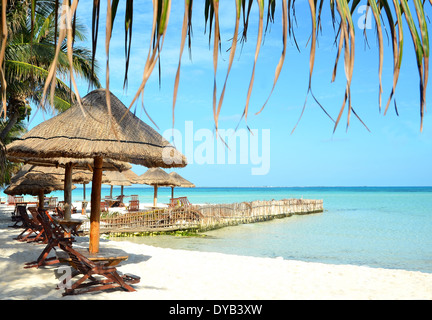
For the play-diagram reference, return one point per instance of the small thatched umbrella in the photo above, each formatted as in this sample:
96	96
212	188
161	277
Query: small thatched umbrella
116	178
36	181
156	177
183	183
89	132
132	176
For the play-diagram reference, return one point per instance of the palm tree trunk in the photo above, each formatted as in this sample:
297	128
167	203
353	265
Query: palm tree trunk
10	123
14	113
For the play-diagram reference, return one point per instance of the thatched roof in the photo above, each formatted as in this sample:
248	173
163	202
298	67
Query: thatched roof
92	133
30	179
116	178
130	175
78	175
80	164
156	176
181	181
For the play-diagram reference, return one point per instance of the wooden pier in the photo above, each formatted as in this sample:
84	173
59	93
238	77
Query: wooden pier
205	217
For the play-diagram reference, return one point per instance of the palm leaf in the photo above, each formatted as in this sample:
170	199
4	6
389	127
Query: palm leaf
419	50
50	82
186	20
425	46
397	45
312	6
257	49
376	14
70	52
128	37
4	35
95	29
282	58
347	33
231	59
215	55
341	13
109	25
246	13
161	10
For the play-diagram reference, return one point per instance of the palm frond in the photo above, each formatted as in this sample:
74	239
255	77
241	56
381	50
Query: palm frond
257	49
388	15
186	23
161	11
4	34
284	40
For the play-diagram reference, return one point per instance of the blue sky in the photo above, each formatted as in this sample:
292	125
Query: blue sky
394	153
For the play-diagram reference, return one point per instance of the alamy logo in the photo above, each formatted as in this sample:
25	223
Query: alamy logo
230	147
365	20
64	274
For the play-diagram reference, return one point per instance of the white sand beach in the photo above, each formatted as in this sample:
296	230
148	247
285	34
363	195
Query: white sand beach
169	274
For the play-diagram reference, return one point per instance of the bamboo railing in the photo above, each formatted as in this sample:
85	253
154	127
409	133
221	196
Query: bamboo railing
206	217
220	215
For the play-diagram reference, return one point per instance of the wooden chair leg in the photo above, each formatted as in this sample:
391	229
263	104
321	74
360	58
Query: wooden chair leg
116	277
112	280
39	237
79	287
42	260
22	237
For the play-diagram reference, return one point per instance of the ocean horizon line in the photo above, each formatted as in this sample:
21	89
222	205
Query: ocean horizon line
269	187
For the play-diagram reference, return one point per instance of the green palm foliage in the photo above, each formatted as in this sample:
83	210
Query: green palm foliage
8	168
391	18
30	50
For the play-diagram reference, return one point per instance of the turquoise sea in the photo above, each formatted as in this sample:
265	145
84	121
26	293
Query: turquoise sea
388	227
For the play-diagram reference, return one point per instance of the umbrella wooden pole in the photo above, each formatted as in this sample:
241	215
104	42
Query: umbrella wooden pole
41	197
155	196
95	205
68	191
172	192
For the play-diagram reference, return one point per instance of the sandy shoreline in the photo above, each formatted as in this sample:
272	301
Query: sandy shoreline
169	274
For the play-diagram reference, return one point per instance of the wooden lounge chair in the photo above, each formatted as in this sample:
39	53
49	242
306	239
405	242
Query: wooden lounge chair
179	202
117	202
60	206
55	237
60	212
103	206
52	203
34	215
16	217
18	199
11	200
133	205
89	269
34	230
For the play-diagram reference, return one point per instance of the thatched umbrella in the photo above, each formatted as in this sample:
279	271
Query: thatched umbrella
73	164
132	176
116	178
183	183
89	132
36	181
77	163
156	177
79	174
